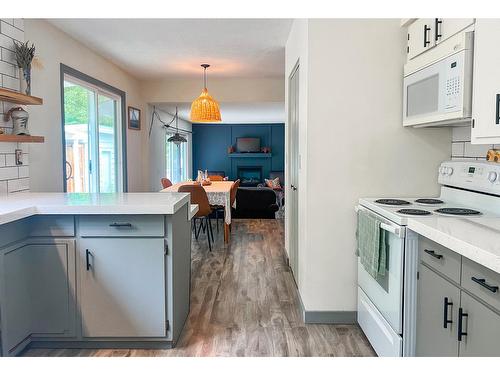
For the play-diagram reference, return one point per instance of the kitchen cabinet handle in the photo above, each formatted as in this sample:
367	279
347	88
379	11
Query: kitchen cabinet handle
445	315
88	254
426	42
461	315
482	282
432	253
293	187
118	225
437	32
497	117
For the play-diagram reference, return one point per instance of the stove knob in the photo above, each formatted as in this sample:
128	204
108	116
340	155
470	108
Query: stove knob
449	171
492	176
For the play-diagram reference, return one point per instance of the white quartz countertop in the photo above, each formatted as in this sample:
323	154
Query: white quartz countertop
18	206
475	238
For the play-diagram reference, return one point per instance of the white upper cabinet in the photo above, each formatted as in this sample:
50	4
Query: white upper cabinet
426	33
420	36
486	86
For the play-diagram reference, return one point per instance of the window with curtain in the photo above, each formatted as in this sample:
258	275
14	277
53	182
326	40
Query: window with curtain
177	160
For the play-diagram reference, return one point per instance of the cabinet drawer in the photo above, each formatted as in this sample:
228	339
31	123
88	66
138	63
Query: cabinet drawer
121	226
440	258
486	285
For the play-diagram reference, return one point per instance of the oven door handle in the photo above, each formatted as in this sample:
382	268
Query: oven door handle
387	227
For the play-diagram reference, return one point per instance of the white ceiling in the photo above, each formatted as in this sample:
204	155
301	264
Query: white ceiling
153	48
236	113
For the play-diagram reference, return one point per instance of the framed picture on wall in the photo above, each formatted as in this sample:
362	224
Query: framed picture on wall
134	118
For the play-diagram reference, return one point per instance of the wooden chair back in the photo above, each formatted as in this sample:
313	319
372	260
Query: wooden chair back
165	182
215	177
199	197
234	190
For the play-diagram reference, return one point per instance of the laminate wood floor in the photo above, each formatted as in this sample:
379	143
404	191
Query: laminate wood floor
244	302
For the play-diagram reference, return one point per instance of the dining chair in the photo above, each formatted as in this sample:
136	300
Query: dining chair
165	182
199	197
215	177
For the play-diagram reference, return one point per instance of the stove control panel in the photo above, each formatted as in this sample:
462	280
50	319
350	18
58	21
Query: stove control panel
480	176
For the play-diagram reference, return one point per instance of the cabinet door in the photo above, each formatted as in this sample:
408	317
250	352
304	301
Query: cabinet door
16	305
420	36
433	339
39	295
52	288
447	27
486	85
122	287
482	326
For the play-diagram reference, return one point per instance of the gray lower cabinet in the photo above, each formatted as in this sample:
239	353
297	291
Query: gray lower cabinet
482	328
456	316
38	292
438	302
122	287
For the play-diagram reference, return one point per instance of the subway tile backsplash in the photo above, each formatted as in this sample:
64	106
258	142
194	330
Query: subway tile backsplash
13	178
461	148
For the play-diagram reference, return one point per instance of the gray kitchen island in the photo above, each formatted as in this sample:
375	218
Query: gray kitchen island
94	270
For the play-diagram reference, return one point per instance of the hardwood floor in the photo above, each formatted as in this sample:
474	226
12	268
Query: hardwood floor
244	303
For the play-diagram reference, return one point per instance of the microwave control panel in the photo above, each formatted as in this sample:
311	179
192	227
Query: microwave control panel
453	85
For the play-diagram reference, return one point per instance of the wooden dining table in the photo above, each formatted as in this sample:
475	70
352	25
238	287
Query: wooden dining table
218	193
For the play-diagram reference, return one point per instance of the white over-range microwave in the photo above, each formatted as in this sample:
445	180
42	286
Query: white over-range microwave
440	92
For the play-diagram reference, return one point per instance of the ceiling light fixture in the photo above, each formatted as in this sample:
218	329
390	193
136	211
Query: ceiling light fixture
205	108
177	139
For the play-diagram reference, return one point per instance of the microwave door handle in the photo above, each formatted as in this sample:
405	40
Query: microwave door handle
497	115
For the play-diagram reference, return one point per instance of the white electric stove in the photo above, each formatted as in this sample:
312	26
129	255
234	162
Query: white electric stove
387	306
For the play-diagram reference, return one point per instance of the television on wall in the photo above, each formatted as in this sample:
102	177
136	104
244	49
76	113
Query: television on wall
247	144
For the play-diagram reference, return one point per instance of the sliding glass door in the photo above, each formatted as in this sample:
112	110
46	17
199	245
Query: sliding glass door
92	138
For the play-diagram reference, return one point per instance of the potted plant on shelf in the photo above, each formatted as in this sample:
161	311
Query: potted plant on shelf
24	56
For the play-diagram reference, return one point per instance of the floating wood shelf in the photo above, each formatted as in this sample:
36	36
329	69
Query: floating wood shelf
18	98
21	138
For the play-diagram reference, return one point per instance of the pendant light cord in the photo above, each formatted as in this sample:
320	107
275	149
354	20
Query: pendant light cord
163	123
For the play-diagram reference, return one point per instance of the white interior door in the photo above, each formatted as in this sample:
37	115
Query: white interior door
292	201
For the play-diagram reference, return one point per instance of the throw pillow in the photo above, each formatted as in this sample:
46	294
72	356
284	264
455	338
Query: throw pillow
273	184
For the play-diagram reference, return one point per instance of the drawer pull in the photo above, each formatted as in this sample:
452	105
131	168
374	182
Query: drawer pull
432	253
120	225
446	321
461	315
88	254
483	283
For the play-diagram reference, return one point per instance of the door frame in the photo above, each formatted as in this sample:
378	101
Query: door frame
67	70
293	134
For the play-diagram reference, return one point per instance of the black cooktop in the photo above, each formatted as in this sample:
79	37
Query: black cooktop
429	201
458	211
413	211
392	202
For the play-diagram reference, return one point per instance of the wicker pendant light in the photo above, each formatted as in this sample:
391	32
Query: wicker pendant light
205	108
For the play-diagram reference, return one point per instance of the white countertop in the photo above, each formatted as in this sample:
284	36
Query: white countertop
476	238
18	206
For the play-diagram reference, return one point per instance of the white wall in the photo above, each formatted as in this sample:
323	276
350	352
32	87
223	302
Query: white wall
52	48
157	147
356	146
222	89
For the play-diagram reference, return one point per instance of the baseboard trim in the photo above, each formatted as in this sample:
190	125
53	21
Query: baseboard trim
101	344
330	317
327	317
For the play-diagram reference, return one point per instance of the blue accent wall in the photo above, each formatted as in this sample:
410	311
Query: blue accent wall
211	141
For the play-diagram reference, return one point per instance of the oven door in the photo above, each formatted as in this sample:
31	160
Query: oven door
440	92
386	293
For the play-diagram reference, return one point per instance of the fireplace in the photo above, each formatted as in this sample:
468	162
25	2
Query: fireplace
249	176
